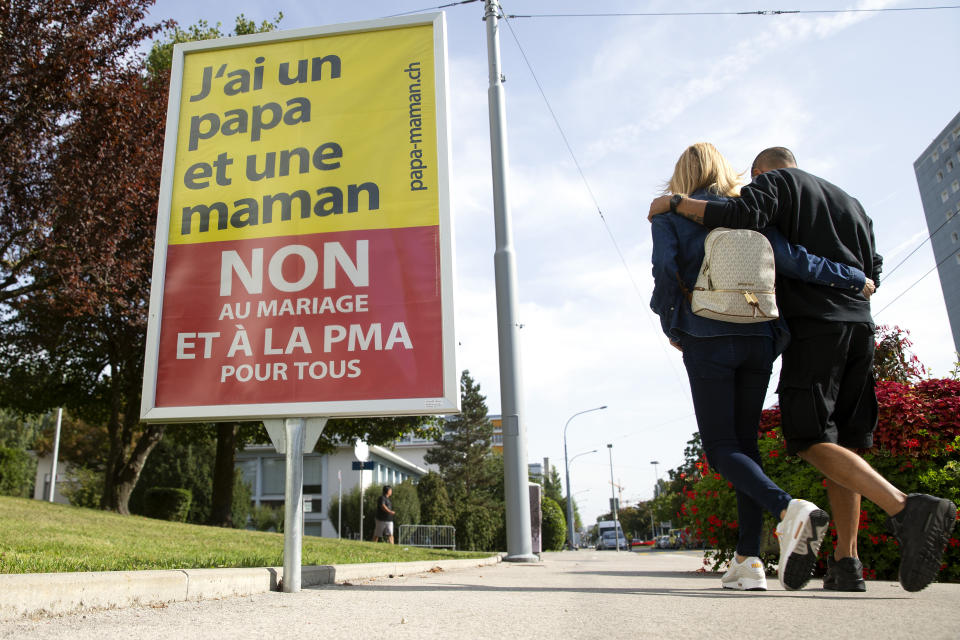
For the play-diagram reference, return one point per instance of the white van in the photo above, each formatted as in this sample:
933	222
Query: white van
608	532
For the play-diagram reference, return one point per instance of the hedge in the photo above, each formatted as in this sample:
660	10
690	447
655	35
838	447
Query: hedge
554	525
167	503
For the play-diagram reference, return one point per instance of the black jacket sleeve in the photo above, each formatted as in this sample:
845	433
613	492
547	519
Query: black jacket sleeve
758	206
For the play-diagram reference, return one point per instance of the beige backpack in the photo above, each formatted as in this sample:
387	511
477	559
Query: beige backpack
736	279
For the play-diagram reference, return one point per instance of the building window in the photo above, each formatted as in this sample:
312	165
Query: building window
939	176
935	156
312	475
274	480
955	186
954	236
949	166
944	145
956	133
944	196
248	471
958	258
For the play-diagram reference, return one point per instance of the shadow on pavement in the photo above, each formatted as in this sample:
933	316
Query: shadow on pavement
706	592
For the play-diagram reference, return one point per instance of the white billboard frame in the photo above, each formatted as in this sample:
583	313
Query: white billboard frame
449	402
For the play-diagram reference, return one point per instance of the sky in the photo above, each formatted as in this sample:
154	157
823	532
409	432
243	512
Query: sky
856	96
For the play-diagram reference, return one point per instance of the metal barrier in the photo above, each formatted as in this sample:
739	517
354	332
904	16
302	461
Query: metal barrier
435	536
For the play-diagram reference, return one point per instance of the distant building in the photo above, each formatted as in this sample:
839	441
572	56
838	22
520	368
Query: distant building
938	178
41	484
324	475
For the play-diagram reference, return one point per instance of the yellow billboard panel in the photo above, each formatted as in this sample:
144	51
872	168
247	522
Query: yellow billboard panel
313	135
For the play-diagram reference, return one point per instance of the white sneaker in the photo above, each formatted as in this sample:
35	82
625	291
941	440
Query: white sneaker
800	533
746	576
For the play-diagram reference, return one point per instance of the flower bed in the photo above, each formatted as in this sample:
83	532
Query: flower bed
916	447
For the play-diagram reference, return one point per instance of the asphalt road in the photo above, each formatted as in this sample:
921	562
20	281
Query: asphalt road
579	594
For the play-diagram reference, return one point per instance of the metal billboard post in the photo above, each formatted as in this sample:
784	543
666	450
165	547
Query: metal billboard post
519	544
293	507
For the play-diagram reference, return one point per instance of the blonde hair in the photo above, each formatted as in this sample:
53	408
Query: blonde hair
701	166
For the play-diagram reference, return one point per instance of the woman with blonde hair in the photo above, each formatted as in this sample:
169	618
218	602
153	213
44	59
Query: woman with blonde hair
729	366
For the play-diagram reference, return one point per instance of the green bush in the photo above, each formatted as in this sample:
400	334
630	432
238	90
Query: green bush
351	511
406	503
167	503
84	488
17	472
240	507
481	527
554	532
267	518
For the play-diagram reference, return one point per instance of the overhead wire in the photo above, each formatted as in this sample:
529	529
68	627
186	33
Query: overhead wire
583	177
902	293
918	247
441	6
759	12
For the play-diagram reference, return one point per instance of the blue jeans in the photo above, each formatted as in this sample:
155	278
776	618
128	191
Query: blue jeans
728	380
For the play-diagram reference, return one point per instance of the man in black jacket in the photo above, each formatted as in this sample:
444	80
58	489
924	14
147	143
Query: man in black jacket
827	398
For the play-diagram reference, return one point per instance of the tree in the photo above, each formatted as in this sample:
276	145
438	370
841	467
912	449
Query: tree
24	432
17	471
57	56
461	450
82	342
406	502
435	505
184	459
552	485
472	473
892	359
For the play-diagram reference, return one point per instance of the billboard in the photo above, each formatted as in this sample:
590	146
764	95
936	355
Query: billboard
303	260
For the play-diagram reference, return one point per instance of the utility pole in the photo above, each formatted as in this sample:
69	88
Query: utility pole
56	454
519	543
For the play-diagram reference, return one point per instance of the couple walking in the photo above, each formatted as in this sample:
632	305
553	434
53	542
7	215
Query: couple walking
827	269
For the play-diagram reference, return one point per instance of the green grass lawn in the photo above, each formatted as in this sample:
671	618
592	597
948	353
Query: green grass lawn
39	537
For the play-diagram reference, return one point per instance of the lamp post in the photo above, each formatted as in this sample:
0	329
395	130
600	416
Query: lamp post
566	464
656	486
570	518
613	501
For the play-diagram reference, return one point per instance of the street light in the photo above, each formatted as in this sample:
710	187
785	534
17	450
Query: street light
656	486
613	501
569	499
566	464
581	454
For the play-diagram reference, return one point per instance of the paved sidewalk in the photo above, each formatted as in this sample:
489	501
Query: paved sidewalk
581	594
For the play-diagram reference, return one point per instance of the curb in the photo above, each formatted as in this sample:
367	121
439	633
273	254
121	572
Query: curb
45	594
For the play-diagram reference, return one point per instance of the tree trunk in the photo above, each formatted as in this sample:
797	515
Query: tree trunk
122	474
221	511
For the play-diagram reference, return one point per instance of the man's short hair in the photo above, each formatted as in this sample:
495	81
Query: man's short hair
773	158
386	489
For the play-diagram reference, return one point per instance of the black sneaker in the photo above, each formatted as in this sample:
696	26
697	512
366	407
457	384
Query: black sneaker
923	529
845	574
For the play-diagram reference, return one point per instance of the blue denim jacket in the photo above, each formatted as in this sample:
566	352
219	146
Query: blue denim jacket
678	249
